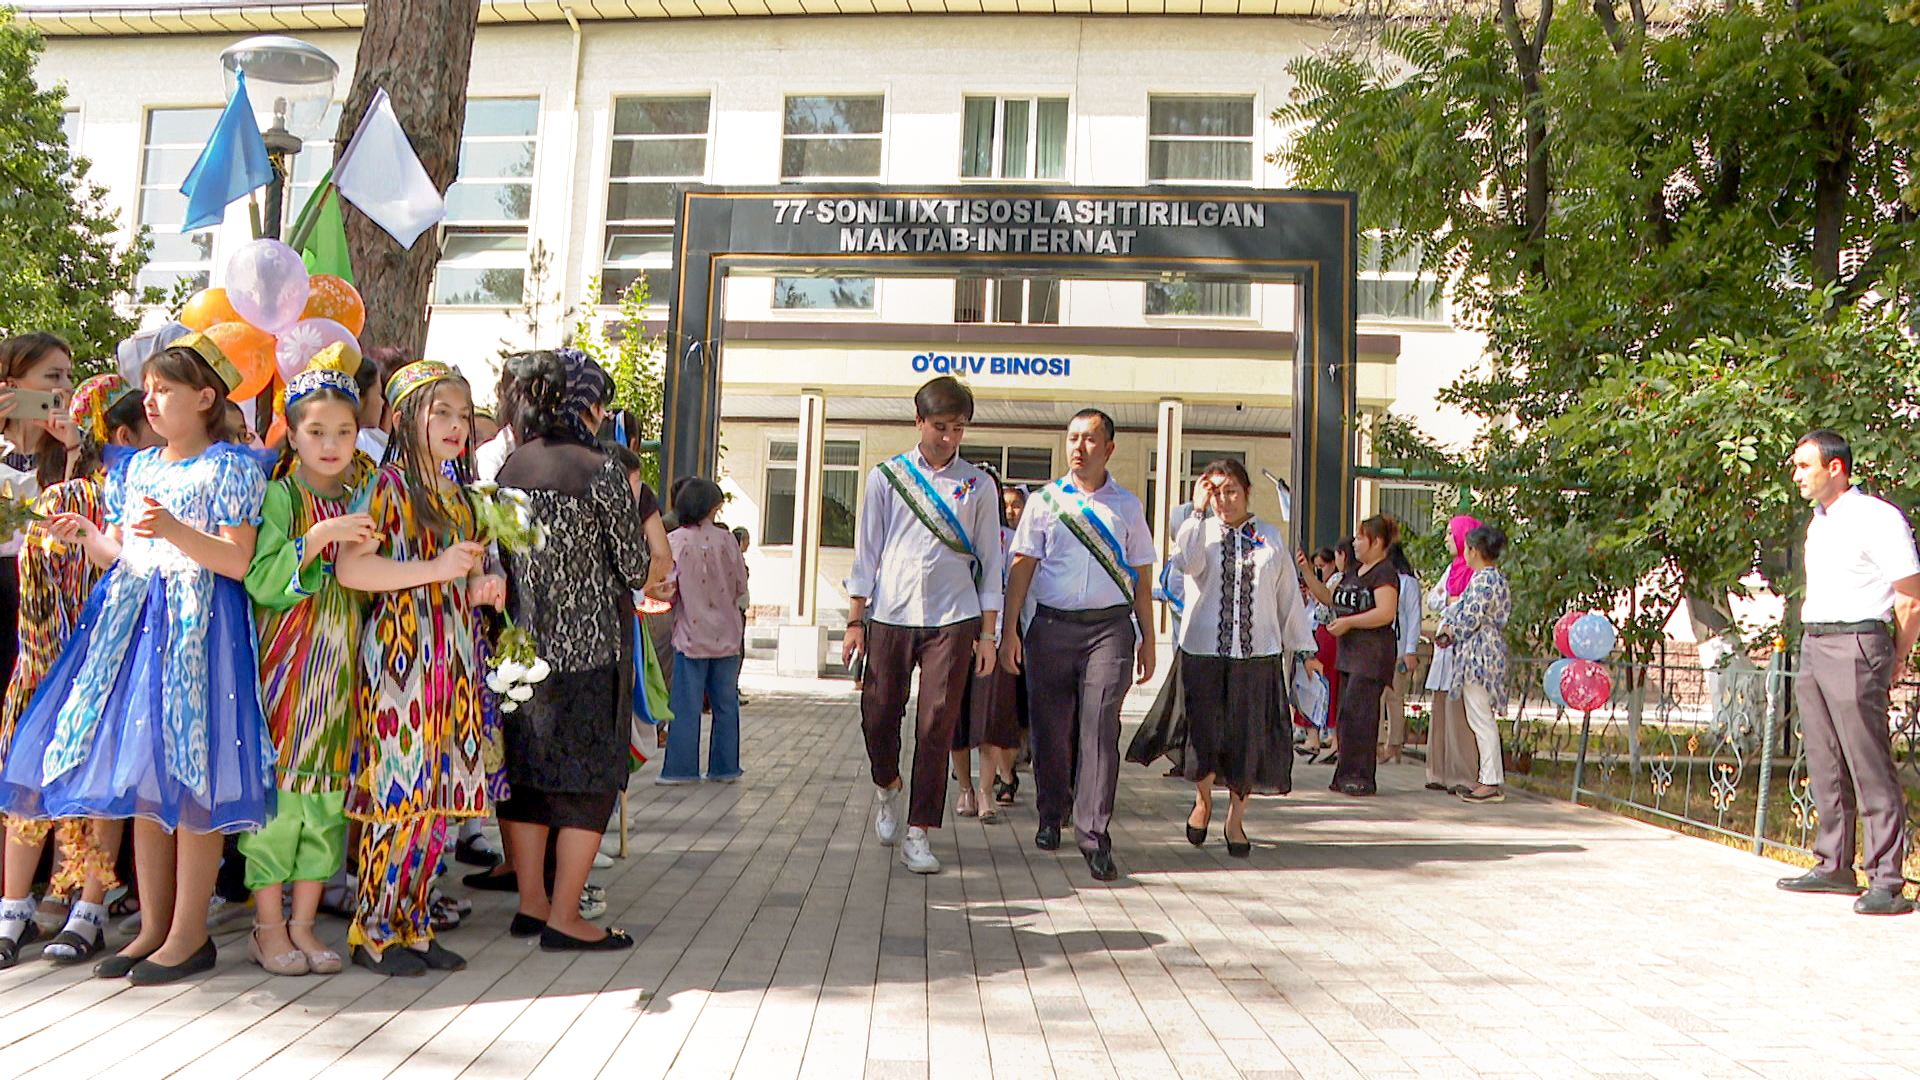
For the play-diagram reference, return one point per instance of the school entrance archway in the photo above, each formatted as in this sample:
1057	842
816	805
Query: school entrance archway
1305	238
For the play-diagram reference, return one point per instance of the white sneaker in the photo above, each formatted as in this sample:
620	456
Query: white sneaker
916	854
886	820
601	860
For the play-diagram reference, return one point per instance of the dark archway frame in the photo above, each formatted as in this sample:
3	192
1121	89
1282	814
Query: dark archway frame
1305	238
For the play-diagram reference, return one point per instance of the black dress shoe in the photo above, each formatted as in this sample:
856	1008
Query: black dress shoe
1197	835
1813	881
438	957
148	973
116	966
525	926
397	961
1048	838
470	852
1100	862
1879	901
488	881
554	941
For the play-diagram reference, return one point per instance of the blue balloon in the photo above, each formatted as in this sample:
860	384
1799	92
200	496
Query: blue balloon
1593	637
1554	671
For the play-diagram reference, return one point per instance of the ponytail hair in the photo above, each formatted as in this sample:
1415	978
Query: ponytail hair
539	406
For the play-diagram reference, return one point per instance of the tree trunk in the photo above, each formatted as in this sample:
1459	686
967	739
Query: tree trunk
419	52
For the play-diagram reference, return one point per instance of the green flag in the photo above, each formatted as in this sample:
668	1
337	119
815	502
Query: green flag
320	234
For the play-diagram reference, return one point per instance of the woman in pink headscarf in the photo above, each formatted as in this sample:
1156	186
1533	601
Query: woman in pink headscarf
1452	755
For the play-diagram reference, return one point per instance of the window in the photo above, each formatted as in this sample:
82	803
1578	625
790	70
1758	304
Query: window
1006	300
659	145
175	138
829	293
1200	297
1197	461
70	127
1411	505
839	492
1200	138
483	255
1014	139
837	137
1395	288
1017	464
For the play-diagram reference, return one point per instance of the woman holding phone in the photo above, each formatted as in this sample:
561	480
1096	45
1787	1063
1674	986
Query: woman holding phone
36	383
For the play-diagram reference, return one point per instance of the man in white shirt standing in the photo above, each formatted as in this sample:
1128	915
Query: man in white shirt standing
1084	549
1861	573
926	580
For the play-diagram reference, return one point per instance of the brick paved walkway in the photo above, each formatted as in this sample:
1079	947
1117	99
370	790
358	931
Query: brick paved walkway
1408	935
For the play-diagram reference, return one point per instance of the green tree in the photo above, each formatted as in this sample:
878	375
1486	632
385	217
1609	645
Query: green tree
635	359
1686	242
66	270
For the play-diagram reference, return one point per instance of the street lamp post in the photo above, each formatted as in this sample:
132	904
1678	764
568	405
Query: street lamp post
290	84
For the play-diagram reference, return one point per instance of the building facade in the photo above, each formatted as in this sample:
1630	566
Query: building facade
581	126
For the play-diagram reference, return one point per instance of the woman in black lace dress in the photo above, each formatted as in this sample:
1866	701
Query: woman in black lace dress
566	749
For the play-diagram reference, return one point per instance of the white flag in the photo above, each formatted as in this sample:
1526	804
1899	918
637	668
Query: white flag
382	176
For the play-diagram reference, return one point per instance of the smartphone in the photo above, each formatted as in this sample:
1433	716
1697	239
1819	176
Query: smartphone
38	404
858	667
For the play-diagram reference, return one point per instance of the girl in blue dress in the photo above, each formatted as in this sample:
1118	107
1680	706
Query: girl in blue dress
153	711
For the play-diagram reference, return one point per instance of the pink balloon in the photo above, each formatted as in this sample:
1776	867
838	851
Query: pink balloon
267	285
296	344
1586	686
1560	631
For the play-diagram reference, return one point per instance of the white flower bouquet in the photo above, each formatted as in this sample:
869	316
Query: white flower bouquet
515	668
505	517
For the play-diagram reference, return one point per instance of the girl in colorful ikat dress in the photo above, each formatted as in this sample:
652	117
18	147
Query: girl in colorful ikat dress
310	629
419	735
55	579
153	710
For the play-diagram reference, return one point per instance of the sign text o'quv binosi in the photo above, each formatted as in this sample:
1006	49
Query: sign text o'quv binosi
1043	366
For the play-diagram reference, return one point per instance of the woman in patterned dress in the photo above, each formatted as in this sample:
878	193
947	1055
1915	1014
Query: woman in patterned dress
419	736
310	628
566	747
1476	628
153	710
55	579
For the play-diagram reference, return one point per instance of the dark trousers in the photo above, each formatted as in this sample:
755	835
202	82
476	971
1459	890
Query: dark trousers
1359	728
1077	675
944	656
1843	692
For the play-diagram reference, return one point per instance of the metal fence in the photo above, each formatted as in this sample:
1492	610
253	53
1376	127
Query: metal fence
1716	752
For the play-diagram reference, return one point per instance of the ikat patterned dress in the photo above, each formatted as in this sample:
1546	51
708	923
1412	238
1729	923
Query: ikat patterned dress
153	708
420	735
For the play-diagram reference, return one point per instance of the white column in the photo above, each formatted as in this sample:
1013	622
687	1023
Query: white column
803	642
1170	473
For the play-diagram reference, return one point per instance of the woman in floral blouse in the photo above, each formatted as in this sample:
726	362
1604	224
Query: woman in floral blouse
1476	628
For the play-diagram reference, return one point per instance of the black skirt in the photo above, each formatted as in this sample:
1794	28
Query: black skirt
1227	718
989	712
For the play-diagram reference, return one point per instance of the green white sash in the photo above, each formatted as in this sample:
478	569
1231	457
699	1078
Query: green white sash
916	489
1093	534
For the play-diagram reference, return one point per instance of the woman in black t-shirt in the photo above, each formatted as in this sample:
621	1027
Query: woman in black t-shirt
1366	605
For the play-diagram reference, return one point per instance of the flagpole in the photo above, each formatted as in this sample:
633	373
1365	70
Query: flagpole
303	228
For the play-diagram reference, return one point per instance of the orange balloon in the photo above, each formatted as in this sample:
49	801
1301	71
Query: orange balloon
331	297
251	350
208	308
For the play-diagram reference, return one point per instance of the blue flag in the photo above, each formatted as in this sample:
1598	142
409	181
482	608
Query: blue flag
234	163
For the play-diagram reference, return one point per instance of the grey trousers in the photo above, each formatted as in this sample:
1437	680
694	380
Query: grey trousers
1077	678
1843	693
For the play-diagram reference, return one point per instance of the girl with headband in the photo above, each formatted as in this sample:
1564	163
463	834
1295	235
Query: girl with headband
419	735
157	716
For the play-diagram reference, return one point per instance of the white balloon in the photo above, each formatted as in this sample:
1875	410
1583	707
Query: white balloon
267	284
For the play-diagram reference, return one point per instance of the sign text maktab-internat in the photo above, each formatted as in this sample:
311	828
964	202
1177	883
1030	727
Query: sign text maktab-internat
1030	225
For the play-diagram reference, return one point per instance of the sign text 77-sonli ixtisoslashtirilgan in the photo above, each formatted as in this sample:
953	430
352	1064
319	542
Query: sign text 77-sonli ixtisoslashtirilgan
1039	225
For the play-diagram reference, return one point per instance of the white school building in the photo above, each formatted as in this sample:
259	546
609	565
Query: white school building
584	118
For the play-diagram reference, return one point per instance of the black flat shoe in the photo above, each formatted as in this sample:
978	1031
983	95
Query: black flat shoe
116	966
396	961
438	957
554	941
1048	838
10	947
148	973
1879	901
1100	863
470	852
1815	882
1240	849
488	881
525	926
1197	835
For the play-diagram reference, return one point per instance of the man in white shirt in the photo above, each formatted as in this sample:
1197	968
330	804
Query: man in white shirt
1084	550
1861	573
926	580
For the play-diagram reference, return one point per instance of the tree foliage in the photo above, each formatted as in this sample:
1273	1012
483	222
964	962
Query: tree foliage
66	270
1686	241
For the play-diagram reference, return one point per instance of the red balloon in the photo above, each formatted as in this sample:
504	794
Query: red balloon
1586	686
1560	631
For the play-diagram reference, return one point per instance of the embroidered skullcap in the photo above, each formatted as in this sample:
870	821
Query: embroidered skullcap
319	378
414	376
91	401
203	347
338	356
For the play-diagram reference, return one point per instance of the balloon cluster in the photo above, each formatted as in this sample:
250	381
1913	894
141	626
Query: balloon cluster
1577	680
272	315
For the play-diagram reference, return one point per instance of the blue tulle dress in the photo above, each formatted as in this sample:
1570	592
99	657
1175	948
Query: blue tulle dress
153	709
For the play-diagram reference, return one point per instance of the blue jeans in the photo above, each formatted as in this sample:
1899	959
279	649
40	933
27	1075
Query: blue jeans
716	681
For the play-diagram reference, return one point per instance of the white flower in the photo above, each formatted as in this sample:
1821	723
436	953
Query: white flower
539	538
509	706
511	671
521	693
539	671
484	487
495	683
